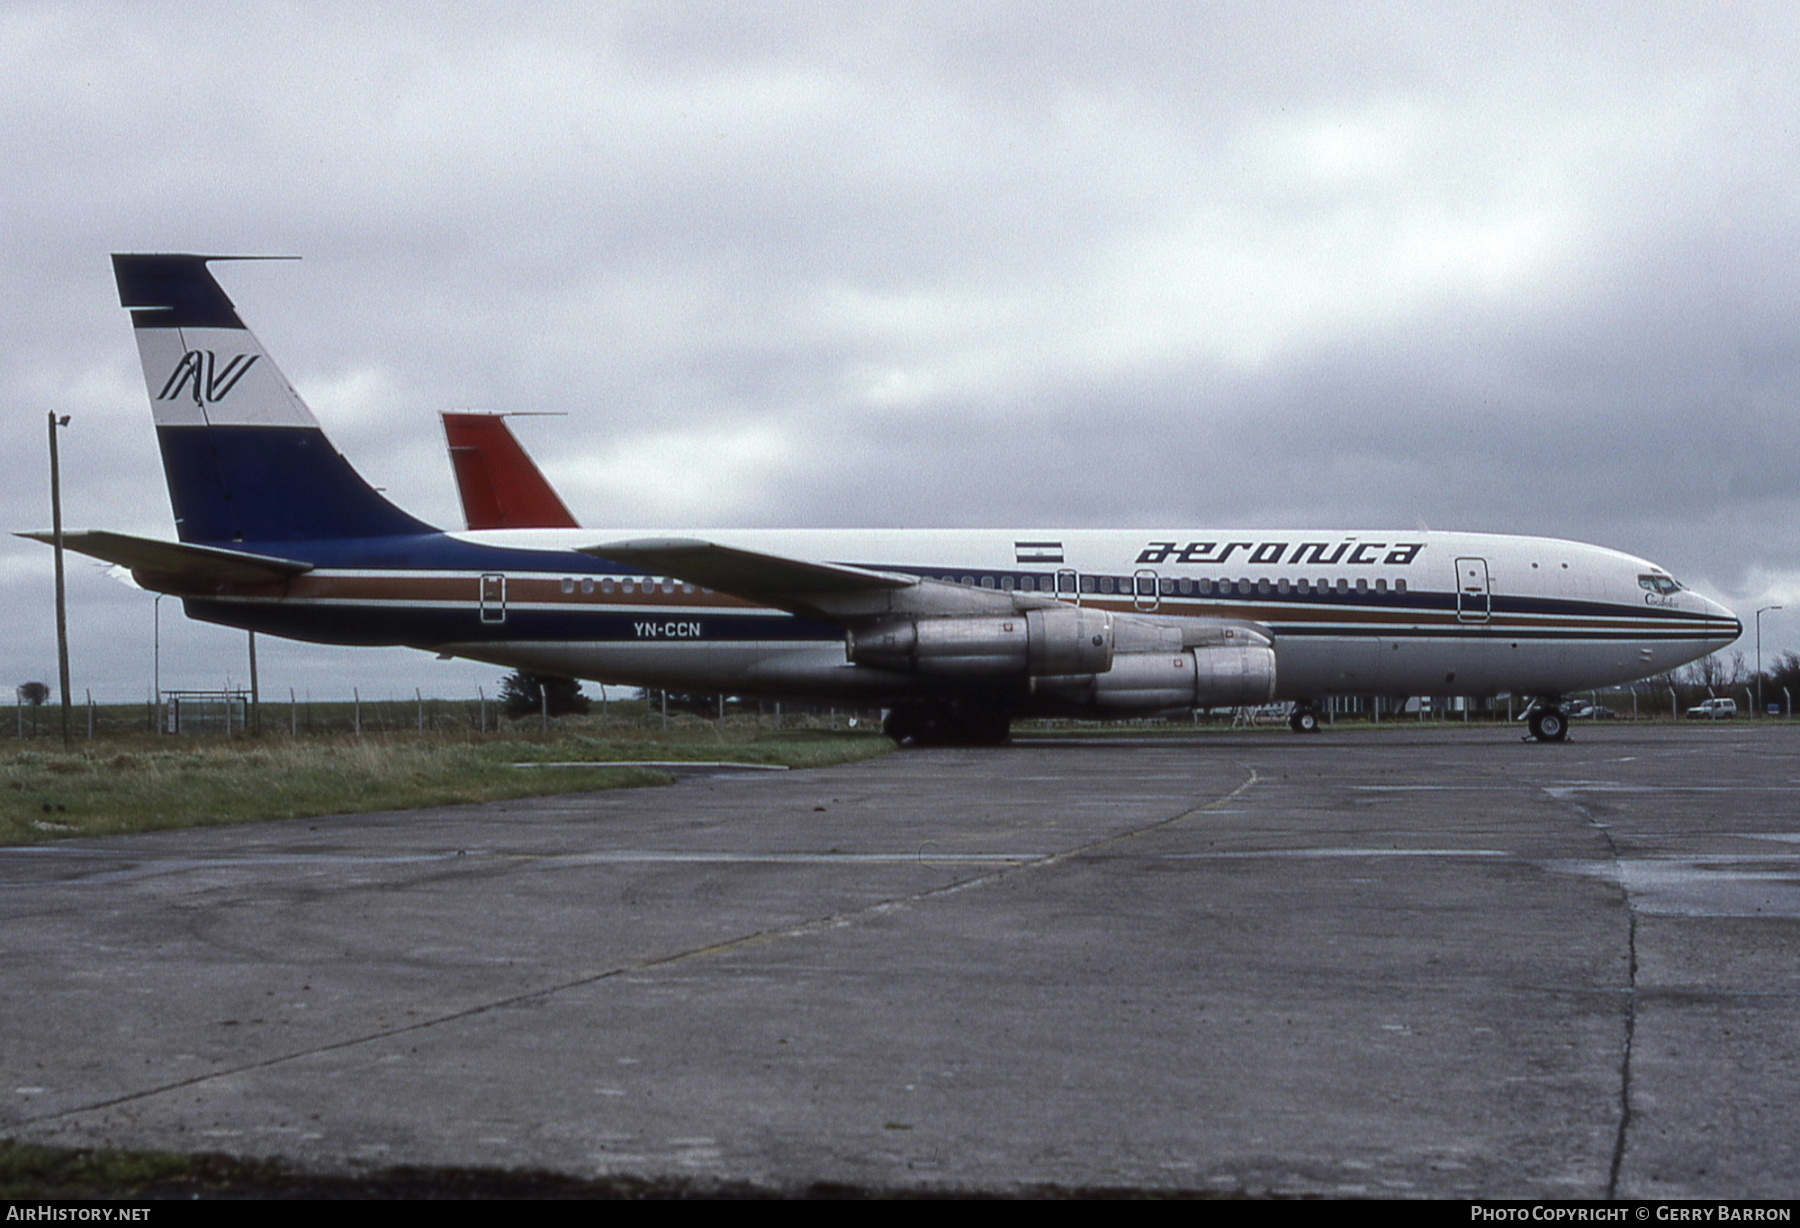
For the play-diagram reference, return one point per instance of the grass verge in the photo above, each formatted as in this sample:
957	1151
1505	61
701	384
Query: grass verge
147	784
31	1171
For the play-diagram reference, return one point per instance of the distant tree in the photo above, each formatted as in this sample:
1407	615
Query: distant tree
34	695
1708	673
1784	673
523	694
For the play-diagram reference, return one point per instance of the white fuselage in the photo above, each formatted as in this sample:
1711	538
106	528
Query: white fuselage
1366	613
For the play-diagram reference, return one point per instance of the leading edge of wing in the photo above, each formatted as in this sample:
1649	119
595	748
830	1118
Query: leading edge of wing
179	560
836	592
743	573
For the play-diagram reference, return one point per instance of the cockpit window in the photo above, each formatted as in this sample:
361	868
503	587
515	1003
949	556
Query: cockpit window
1658	584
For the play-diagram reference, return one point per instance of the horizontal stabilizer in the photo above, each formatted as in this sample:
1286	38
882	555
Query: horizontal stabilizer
743	573
196	564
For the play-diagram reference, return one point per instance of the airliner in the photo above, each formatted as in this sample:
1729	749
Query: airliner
956	633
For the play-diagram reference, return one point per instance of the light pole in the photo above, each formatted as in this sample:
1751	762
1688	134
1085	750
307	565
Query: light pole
1759	614
62	615
156	656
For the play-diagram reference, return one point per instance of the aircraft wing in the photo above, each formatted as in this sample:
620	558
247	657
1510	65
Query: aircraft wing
836	592
190	564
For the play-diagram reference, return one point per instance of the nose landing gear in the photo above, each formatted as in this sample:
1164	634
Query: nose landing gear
1549	723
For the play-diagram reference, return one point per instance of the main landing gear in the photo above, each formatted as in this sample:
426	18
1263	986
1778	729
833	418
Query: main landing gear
947	724
1305	719
1549	723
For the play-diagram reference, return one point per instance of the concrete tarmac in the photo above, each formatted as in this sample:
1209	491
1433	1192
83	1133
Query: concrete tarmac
1426	960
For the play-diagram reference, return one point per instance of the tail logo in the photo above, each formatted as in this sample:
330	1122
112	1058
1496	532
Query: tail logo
200	374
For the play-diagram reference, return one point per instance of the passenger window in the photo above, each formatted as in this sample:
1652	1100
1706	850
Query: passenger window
1282	586
1262	587
1362	585
1343	585
587	584
606	585
1304	586
1087	584
1399	586
1381	586
568	584
987	582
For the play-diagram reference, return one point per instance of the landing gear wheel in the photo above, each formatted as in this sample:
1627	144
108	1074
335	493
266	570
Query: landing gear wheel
899	725
1304	720
981	727
923	724
1549	725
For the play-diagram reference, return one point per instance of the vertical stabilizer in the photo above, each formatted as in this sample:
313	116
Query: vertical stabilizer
501	487
244	457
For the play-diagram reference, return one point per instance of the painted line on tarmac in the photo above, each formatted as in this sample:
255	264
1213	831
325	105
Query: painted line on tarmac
728	946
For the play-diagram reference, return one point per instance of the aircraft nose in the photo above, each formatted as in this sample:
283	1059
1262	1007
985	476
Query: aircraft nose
1728	625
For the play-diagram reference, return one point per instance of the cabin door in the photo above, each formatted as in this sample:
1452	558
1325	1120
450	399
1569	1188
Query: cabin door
1474	597
1144	594
493	599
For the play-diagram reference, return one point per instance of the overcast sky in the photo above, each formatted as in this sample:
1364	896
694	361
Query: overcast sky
1508	268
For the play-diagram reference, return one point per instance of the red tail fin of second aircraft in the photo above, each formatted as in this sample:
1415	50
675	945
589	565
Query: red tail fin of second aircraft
500	486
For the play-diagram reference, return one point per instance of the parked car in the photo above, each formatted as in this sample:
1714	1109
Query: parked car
1714	710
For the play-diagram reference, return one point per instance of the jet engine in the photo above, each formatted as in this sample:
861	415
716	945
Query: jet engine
1057	640
1236	666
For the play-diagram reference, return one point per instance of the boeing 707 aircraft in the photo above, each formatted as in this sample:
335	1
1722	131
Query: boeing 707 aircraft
955	632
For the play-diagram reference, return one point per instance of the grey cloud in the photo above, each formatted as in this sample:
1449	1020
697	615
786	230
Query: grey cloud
1521	269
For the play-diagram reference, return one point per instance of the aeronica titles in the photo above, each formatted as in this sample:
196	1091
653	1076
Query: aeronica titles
956	633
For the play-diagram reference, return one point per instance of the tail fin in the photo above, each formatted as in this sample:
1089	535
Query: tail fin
500	486
244	457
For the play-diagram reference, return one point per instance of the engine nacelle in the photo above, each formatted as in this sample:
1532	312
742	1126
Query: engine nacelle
1058	640
1240	669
